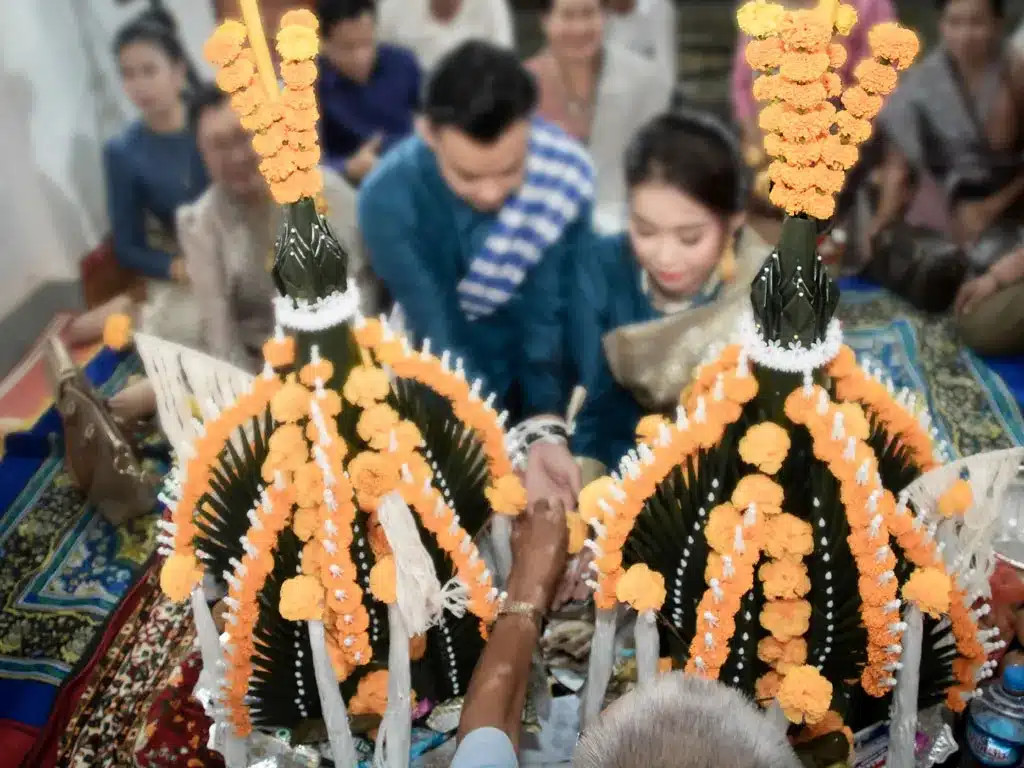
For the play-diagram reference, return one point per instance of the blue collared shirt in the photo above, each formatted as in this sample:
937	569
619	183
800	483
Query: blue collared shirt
352	113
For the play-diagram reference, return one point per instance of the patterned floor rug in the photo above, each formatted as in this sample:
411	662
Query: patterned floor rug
63	568
974	411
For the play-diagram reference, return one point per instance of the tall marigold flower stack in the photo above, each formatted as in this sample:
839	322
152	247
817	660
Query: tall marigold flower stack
813	144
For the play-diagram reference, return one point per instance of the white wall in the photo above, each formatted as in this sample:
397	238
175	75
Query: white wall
59	101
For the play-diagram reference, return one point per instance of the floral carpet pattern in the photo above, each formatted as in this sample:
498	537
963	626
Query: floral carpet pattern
63	571
972	409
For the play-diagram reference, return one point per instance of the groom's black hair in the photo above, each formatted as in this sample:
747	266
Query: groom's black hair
480	90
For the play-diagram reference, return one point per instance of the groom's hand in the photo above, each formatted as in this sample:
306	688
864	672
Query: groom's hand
552	474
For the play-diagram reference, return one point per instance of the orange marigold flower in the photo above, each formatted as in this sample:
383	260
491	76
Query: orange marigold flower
893	43
593	493
803	155
765	88
301	17
270	141
772	118
322	369
802	96
302	599
929	589
302	139
287	441
604	595
291	403
298	99
740	389
641	588
806	30
836	56
803	67
305	521
782	655
788	536
278	167
839	154
279	352
805	695
739	577
649	427
507	495
312	182
268	114
860	103
856	129
766	688
117	331
765	446
818	205
375	425
297	43
300	119
371	696
383	580
763	55
246	101
237	75
785	579
181	573
757	489
225	44
808	125
577	531
833	84
373	475
306	159
720	530
793	177
876	77
957	499
366	385
298	74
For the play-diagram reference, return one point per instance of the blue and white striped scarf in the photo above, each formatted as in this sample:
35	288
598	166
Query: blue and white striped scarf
558	186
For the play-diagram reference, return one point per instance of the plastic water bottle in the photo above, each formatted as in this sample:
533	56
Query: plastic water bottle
995	722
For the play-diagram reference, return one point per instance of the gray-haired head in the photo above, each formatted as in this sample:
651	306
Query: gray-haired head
684	722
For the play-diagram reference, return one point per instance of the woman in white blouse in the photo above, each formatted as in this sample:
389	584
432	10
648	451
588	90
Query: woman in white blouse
598	91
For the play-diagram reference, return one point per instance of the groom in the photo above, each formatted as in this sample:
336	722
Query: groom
471	225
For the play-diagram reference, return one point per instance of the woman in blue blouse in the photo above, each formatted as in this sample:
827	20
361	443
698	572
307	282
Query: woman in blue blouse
647	304
152	168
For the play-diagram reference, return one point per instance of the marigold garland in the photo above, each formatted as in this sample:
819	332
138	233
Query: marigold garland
269	518
505	491
186	571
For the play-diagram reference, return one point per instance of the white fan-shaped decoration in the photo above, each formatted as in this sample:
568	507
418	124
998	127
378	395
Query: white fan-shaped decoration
995	518
183	378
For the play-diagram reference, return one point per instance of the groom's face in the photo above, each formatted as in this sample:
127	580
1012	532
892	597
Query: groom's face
482	174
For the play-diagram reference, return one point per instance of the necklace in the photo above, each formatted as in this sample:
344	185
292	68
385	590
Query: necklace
579	105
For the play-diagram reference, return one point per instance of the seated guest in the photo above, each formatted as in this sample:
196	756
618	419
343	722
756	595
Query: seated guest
472	224
745	109
600	93
432	28
227	236
990	308
677	722
368	92
953	127
152	168
646	305
646	27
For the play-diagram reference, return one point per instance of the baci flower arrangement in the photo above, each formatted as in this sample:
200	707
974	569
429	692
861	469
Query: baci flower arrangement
760	532
338	500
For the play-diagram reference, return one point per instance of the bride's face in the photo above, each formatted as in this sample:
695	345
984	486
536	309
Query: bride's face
676	239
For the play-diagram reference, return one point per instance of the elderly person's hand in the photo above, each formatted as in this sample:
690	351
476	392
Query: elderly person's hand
540	540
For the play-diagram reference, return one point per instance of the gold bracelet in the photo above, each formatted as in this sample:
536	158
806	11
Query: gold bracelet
521	609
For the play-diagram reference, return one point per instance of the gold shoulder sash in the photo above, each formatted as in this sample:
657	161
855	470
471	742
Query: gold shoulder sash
655	360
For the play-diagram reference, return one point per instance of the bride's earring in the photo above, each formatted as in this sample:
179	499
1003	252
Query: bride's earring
727	264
